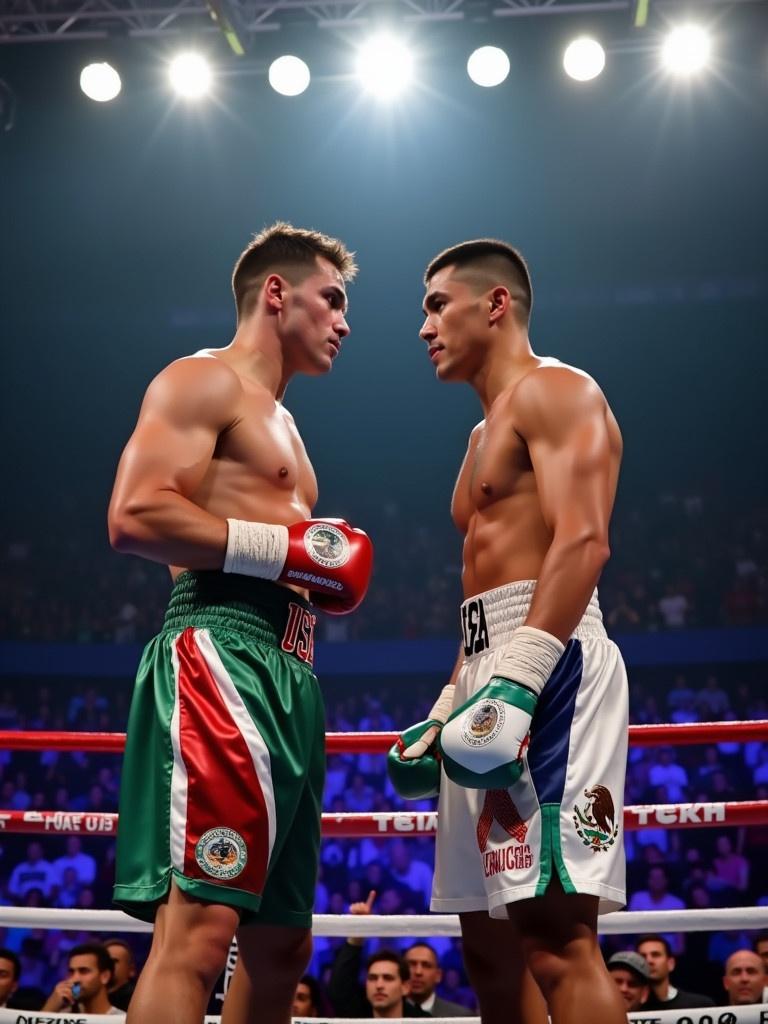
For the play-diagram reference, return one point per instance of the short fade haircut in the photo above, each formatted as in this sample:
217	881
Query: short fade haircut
289	251
491	259
97	949
391	956
655	938
10	956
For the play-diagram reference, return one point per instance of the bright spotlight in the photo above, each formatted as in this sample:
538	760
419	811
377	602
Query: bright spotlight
384	66
488	66
686	49
584	59
190	75
288	75
100	82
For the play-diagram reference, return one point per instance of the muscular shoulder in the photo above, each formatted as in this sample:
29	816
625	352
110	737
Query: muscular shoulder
199	388
555	393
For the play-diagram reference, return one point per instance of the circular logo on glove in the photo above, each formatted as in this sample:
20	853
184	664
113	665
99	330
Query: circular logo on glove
326	545
482	723
221	853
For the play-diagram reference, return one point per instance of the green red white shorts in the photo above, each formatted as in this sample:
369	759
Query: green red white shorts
224	764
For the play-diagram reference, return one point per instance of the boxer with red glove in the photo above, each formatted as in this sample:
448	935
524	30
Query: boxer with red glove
328	557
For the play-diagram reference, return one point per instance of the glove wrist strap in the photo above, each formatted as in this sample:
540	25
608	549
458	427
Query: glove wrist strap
256	549
530	657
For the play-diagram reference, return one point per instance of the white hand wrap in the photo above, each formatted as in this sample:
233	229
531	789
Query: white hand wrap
441	709
256	549
443	706
530	658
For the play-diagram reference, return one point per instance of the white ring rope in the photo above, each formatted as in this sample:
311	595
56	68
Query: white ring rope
339	926
756	1014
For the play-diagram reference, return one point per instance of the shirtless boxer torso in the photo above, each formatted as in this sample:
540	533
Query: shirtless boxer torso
534	746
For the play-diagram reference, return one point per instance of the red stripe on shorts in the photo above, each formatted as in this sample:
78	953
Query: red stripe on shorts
223	788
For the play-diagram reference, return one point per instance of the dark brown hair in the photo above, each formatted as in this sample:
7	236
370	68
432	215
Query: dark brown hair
290	251
493	259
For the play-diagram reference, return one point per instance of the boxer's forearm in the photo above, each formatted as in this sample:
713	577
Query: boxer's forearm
568	577
166	527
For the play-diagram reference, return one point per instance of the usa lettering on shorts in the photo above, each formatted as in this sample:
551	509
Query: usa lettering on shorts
299	636
474	627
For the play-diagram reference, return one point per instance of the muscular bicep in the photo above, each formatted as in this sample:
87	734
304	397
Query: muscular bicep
570	448
184	411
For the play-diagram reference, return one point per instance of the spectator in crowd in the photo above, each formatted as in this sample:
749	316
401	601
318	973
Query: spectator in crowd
730	871
387	981
33	873
673	607
68	894
425	975
387	984
656	896
669	774
712	701
663	995
10	973
408	872
631	973
761	947
123	973
307	999
744	978
85	989
83	864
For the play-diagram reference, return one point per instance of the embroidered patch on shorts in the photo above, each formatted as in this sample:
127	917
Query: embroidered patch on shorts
595	822
326	545
221	853
483	723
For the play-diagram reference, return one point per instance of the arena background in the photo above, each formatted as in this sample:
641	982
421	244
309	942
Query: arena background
638	200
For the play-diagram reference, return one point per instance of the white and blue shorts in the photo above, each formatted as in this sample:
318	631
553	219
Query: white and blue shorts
564	817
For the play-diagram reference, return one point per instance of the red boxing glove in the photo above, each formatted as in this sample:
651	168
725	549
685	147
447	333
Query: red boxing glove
332	560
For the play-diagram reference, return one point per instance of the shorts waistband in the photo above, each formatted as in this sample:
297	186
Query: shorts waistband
264	611
488	620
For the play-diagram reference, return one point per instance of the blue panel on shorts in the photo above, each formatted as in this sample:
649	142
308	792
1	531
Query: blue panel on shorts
551	727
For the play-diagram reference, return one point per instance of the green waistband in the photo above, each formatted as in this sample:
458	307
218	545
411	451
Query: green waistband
217	600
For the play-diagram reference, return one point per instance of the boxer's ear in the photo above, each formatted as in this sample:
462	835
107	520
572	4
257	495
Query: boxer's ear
274	292
499	300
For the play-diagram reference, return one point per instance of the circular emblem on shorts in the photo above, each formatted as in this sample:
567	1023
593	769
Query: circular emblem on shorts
326	545
483	723
221	853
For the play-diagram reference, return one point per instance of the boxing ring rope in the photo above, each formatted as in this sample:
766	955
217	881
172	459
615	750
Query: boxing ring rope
687	734
358	825
712	1015
388	926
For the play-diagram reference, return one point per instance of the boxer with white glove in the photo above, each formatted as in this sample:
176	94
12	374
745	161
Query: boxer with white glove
328	557
413	761
484	740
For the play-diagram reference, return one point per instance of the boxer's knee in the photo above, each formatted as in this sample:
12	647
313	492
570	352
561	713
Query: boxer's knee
553	963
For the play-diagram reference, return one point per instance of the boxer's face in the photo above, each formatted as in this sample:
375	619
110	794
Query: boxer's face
456	328
312	320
